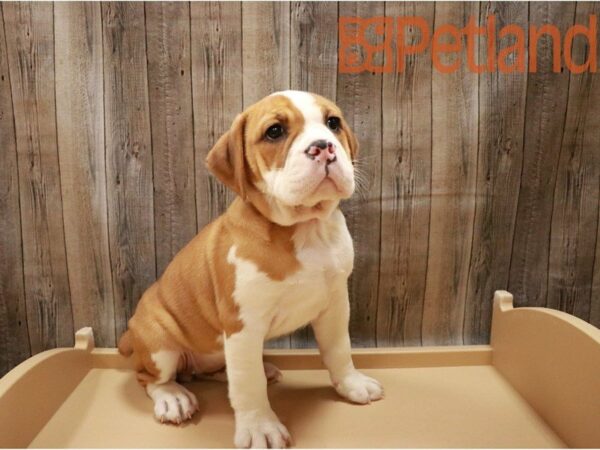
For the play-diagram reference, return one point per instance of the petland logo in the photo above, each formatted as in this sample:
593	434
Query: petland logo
358	54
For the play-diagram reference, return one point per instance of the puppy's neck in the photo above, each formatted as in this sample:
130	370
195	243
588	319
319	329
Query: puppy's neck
264	219
248	217
284	215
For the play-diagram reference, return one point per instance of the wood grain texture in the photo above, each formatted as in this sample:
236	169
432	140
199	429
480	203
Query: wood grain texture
128	156
80	120
30	43
170	92
217	89
265	49
577	189
313	30
14	338
359	97
314	41
595	299
405	190
453	175
500	157
266	63
545	113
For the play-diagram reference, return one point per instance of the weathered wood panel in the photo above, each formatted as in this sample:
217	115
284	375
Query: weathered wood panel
30	43
545	113
128	157
405	190
313	68
266	62
453	182
314	41
500	157
265	49
217	89
595	302
359	97
14	338
170	91
577	189
80	121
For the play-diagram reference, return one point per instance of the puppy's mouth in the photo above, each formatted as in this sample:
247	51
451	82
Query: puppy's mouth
326	189
327	183
320	199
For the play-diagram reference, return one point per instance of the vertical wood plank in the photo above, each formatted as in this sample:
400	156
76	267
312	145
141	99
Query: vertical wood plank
577	190
14	341
170	91
30	43
217	93
595	299
313	62
453	175
545	113
128	156
406	185
313	68
359	97
501	124
265	49
80	120
266	62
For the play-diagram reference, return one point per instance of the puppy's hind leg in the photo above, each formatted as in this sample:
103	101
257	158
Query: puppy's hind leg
172	402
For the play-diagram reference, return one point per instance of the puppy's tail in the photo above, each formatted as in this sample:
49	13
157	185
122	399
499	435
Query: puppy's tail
125	347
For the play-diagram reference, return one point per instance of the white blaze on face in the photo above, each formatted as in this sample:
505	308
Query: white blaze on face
305	181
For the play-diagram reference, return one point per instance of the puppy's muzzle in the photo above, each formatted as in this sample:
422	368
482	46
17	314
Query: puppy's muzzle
322	151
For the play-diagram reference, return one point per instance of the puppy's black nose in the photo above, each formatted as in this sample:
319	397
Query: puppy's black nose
321	143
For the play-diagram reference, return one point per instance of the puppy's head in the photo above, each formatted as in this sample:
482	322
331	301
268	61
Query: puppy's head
290	154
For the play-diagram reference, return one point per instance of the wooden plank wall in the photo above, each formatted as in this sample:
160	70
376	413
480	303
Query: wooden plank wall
467	183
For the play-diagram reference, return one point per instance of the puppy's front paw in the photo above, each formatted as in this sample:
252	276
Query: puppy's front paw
172	402
359	388
260	429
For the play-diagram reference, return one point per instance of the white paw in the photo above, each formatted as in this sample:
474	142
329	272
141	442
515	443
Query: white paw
272	373
260	429
359	388
172	402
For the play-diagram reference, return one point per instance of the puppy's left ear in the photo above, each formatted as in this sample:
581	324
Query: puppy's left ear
227	161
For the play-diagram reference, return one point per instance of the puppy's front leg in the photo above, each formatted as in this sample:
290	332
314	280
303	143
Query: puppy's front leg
331	332
256	425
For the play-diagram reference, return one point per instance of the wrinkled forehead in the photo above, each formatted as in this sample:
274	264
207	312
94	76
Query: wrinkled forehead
313	107
296	106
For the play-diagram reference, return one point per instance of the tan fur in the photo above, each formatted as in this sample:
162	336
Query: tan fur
191	305
124	345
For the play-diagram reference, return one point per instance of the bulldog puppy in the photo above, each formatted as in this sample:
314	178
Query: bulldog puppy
276	260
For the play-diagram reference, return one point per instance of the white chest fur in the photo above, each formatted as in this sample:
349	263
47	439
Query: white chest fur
324	250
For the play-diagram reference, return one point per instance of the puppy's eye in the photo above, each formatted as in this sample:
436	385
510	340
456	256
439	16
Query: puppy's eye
333	123
274	132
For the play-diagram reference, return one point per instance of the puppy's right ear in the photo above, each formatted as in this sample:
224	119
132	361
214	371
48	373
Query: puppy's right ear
227	159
